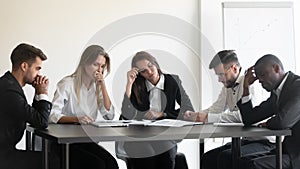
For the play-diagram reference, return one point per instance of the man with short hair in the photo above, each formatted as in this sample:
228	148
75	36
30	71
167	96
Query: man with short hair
227	67
15	112
282	108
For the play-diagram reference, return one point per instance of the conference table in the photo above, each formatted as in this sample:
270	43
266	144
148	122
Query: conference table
66	134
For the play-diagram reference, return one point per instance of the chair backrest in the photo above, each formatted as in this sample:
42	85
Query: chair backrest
180	160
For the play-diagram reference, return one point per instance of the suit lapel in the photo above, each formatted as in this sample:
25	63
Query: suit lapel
164	93
284	94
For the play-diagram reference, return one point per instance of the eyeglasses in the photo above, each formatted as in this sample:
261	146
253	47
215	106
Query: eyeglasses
227	68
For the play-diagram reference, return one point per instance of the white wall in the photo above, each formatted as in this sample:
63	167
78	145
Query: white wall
211	27
62	29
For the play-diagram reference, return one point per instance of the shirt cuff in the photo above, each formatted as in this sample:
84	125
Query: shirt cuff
107	114
54	118
213	117
246	99
42	97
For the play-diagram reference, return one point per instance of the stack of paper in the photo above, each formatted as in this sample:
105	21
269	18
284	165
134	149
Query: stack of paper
228	124
173	123
110	123
163	123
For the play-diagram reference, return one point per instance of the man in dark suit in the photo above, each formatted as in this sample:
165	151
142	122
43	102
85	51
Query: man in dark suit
15	112
282	108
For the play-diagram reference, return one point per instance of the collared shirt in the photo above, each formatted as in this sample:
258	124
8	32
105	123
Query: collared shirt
155	93
279	88
39	97
65	102
224	109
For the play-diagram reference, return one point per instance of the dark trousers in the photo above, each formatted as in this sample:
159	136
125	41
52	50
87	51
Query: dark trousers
16	159
165	160
264	161
88	156
221	157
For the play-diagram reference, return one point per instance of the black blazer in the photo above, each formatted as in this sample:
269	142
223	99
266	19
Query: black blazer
284	114
173	92
15	112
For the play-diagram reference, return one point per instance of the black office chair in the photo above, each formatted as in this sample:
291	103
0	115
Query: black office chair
180	160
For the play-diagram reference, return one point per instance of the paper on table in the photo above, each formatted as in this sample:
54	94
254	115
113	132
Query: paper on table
172	123
110	123
228	124
163	123
139	123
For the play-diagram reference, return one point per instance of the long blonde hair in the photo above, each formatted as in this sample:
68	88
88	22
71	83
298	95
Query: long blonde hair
89	55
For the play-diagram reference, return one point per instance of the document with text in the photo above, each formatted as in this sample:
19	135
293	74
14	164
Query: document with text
162	123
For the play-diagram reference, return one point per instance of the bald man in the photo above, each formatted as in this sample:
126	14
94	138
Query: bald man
282	107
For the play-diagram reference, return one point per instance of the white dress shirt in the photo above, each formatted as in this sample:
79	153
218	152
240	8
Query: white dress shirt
65	102
279	88
155	93
39	97
225	108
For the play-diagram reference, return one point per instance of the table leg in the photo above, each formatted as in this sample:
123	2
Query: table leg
45	153
66	156
236	151
33	136
28	140
201	151
278	152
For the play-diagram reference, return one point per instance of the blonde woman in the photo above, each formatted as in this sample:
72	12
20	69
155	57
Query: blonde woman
82	98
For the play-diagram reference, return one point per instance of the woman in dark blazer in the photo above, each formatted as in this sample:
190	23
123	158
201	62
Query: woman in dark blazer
152	95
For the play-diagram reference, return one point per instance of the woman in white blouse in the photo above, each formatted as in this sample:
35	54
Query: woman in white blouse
82	98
